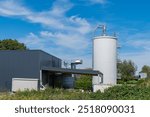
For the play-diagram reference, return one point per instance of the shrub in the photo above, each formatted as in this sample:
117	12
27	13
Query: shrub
144	82
84	82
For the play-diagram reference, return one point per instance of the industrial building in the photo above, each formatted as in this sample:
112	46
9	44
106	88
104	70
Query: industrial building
22	69
32	69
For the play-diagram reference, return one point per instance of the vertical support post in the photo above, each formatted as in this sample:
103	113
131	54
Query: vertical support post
40	77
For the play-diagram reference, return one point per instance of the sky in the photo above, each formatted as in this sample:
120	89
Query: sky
65	28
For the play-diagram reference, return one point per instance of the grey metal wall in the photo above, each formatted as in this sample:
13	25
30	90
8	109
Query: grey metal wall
17	64
22	64
49	60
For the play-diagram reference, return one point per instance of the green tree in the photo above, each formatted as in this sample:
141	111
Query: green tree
146	69
9	44
127	69
84	82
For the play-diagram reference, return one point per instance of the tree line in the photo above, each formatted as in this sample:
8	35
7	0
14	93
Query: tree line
127	69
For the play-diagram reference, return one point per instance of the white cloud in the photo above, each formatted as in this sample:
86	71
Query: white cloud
33	41
97	1
80	24
46	34
60	7
70	41
140	40
12	8
145	44
72	30
51	18
54	18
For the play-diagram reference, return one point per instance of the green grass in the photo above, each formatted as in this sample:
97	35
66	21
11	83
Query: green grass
139	91
48	94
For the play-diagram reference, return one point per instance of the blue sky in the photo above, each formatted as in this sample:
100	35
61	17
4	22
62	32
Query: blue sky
64	28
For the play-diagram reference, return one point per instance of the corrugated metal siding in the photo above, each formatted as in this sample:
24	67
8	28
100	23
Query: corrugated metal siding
49	60
17	64
23	64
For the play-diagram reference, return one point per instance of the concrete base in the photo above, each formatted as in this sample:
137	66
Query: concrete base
101	87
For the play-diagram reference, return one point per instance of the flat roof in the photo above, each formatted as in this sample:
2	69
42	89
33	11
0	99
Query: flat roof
27	51
72	71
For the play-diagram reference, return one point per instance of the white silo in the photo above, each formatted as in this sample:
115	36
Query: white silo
104	60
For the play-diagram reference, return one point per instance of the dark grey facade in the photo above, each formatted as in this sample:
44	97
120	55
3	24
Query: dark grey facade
36	64
24	64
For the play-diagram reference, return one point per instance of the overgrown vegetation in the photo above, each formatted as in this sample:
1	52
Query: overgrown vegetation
146	69
140	91
127	69
133	81
84	82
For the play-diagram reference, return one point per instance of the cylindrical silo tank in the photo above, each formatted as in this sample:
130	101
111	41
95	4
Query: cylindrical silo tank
68	82
105	59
